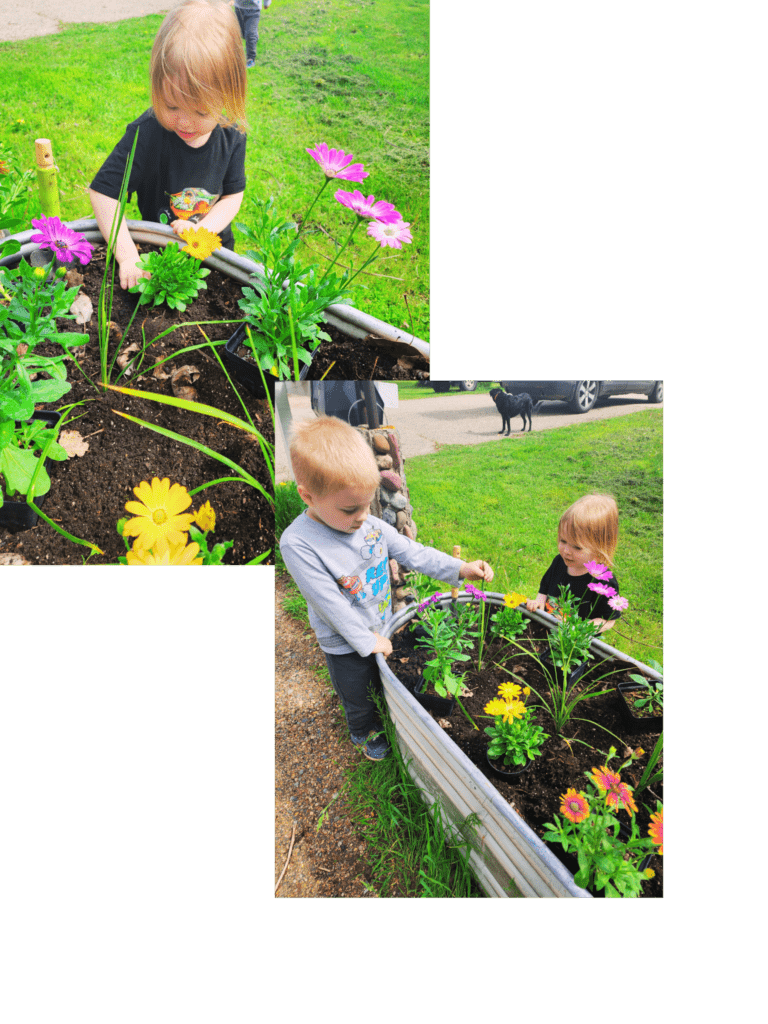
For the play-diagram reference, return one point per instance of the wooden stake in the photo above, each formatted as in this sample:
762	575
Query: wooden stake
456	554
47	180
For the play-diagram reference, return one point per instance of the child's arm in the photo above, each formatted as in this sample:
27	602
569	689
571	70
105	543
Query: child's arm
219	217
125	251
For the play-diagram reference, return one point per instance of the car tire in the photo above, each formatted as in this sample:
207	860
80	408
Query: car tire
467	385
657	395
441	385
584	395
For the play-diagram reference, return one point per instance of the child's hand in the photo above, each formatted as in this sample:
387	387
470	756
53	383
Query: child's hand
383	646
477	570
178	226
130	273
537	604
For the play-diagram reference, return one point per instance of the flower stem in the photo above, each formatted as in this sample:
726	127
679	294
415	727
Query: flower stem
367	263
341	250
305	218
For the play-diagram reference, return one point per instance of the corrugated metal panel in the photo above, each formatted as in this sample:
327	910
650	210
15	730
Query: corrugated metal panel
508	858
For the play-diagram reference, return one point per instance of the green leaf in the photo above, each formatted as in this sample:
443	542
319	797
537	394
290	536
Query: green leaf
17	466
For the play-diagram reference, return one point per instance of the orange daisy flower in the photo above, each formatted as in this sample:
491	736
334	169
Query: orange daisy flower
656	829
574	806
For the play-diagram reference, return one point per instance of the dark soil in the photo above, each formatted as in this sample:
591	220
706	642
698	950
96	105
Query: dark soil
371	359
536	793
89	492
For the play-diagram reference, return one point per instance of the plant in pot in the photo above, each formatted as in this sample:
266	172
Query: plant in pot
608	861
445	635
643	699
285	310
31	301
515	739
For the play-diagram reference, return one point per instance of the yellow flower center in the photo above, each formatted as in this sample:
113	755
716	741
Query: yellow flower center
159	517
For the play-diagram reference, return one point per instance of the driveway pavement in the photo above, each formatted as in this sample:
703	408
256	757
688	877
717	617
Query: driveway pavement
20	20
428	424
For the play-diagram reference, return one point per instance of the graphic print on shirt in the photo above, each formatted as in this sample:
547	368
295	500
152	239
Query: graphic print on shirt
192	204
368	583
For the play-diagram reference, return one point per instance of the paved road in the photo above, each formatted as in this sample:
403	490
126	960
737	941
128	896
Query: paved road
428	424
20	19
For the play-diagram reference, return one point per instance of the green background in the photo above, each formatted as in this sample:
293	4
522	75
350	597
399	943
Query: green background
595	183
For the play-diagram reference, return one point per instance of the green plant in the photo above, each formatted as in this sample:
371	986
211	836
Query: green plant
33	300
289	305
16	203
654	700
507	622
288	505
446	634
651	775
514	736
176	278
590	828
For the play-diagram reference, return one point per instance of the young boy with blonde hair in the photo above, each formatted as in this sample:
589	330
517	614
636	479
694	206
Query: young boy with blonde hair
338	554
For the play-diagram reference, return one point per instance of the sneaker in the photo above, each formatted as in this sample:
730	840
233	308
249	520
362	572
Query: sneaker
250	63
374	745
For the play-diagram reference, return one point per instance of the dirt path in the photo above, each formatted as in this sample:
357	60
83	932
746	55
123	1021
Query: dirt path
312	753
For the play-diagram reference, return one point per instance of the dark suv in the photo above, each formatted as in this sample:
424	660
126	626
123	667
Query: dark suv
581	395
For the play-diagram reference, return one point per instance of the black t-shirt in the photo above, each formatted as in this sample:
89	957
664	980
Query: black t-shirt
591	605
170	177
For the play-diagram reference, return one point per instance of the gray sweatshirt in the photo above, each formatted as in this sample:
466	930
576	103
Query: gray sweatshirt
344	577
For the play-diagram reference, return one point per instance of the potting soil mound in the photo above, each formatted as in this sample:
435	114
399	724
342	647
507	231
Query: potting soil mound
89	491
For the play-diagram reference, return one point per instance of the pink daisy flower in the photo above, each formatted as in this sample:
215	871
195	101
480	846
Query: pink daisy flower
368	207
335	163
66	243
598	570
619	603
392	235
602	588
621	796
605	779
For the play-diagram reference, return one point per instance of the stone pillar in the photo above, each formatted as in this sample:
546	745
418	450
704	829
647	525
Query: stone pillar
392	501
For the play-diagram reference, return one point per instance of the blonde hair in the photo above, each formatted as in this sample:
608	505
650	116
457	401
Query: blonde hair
592	522
198	49
328	454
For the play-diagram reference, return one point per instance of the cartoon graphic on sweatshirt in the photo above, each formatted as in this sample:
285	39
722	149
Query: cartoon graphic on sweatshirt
368	583
192	204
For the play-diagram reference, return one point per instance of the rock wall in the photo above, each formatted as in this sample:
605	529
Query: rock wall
392	501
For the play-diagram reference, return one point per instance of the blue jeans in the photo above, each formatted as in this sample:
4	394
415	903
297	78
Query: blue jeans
249	27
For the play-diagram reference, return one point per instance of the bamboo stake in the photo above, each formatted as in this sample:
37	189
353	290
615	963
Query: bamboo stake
456	554
47	180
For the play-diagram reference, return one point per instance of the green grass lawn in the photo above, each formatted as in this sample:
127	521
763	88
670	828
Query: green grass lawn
503	504
354	75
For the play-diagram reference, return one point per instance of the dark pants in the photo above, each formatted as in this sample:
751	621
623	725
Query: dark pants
353	677
249	27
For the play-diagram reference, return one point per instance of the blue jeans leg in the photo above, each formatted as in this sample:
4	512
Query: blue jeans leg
249	27
353	677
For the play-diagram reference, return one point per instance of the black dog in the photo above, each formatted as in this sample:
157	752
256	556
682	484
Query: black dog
513	405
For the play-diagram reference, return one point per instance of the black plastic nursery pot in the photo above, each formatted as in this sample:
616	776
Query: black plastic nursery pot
507	858
19	515
557	673
504	771
636	720
247	372
442	706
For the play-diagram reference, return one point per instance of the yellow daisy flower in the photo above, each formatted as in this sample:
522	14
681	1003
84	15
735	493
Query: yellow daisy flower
157	514
513	600
514	709
495	707
206	518
200	242
509	691
165	554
